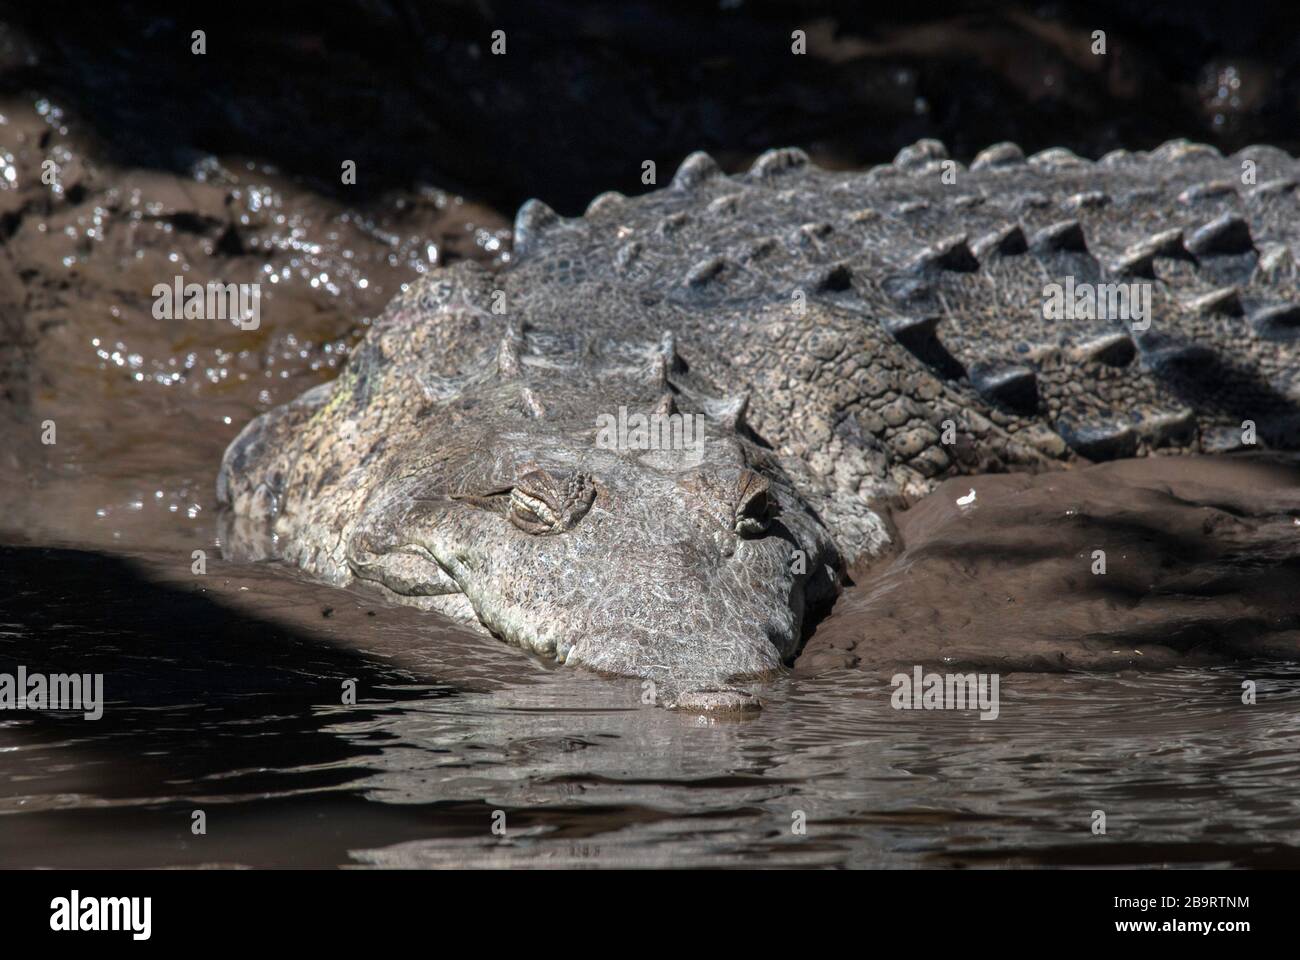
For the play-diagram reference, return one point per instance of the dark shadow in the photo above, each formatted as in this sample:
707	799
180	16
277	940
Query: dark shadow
199	697
211	709
589	90
1207	381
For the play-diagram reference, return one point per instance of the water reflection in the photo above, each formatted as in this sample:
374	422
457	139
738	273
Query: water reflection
451	727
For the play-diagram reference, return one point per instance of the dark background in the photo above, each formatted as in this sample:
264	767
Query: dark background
588	90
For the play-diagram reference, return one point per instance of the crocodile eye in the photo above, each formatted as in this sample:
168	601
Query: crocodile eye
753	508
531	514
736	498
541	502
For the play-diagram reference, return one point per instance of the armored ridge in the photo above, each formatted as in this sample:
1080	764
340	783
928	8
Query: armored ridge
848	338
957	272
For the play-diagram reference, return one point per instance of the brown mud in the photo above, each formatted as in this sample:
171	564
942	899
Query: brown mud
143	407
1201	563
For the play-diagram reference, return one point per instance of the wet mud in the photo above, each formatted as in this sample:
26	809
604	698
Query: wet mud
142	406
1135	563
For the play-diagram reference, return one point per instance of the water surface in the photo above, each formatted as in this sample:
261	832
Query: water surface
226	700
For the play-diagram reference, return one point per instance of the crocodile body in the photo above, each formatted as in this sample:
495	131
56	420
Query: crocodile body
850	338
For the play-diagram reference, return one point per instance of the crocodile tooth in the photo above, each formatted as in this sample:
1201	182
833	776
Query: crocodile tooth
1228	234
533	218
772	163
1064	236
1112	349
696	169
920	154
950	253
1003	154
1011	386
1099	441
666	404
1008	241
1278	322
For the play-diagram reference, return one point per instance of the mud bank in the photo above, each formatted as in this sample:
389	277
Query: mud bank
141	407
1201	560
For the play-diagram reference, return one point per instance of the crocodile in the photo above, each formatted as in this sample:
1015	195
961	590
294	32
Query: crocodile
842	342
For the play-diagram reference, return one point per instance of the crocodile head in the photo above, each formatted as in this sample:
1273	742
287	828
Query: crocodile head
600	515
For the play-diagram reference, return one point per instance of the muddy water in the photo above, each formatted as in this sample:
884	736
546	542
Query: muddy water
225	689
143	406
225	699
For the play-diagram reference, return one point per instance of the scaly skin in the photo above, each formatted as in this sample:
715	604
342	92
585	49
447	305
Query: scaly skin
829	325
